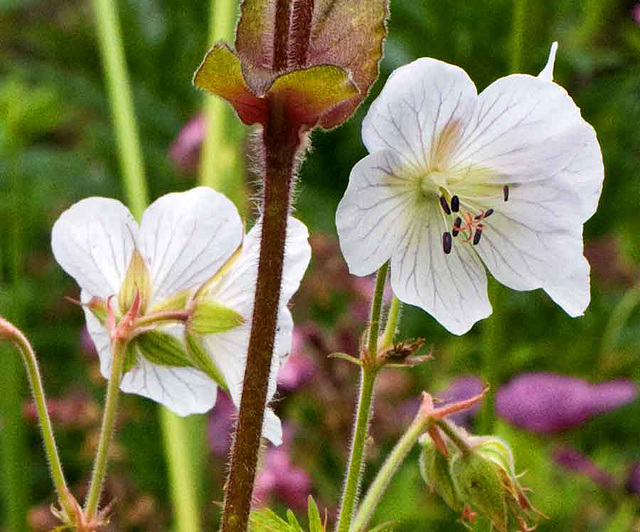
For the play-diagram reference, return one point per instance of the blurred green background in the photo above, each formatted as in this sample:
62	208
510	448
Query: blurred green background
57	146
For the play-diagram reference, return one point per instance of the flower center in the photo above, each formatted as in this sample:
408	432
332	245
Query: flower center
465	218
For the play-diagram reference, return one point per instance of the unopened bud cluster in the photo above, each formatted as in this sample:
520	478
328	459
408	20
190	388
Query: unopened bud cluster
478	481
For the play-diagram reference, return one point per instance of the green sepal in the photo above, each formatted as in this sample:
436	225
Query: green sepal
480	485
177	301
163	349
435	471
137	279
98	308
202	361
130	358
210	317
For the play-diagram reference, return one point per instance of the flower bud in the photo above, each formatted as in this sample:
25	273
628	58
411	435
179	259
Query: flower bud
435	470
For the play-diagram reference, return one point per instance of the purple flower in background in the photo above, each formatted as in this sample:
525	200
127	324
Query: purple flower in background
459	389
221	424
299	368
546	402
632	484
185	150
575	461
635	13
281	479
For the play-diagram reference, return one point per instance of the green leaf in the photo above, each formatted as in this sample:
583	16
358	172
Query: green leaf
162	349
347	34
202	360
130	358
308	94
137	279
220	73
210	317
266	520
315	521
295	526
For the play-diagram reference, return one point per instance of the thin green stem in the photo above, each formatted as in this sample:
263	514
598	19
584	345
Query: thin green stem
491	349
9	332
354	470
620	315
181	472
115	70
392	322
376	310
383	478
106	432
221	161
518	32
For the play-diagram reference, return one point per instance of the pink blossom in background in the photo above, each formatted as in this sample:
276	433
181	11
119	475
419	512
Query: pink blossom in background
280	478
185	150
299	368
635	13
547	403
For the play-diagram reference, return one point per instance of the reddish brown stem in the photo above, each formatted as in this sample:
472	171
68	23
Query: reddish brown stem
281	142
292	34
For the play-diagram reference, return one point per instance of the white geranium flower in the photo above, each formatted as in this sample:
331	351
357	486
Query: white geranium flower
454	179
180	259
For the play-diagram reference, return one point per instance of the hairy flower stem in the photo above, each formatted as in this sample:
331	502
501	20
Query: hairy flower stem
11	333
281	144
398	455
368	374
106	432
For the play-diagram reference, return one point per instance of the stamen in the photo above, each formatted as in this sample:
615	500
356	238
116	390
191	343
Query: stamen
445	205
505	192
477	235
456	226
455	204
484	215
447	242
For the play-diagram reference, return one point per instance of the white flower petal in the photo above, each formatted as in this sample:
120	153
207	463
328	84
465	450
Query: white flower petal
272	427
547	71
525	258
375	213
237	288
186	237
525	129
452	288
93	241
574	293
415	105
229	352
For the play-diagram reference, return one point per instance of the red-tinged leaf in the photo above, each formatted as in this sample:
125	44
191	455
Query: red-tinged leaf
277	36
308	94
349	34
221	74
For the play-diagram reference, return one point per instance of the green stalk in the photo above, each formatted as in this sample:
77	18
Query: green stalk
124	120
221	162
620	315
106	432
518	29
114	65
392	322
13	441
11	333
383	478
368	374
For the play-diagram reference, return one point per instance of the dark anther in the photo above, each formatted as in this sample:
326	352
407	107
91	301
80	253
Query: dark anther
477	235
445	205
456	226
505	192
488	213
455	204
447	242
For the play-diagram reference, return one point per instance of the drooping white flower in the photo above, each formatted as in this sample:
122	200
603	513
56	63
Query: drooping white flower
454	179
181	259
